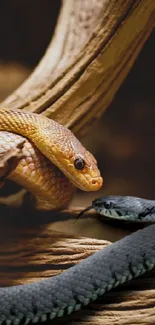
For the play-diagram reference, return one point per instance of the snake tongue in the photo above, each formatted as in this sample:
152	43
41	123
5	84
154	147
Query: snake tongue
83	211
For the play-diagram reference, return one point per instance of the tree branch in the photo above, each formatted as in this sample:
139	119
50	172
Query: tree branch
94	47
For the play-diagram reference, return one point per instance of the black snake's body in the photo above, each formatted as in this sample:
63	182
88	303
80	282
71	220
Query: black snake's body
78	286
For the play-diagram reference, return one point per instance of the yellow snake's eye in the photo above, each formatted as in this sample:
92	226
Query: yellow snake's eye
79	163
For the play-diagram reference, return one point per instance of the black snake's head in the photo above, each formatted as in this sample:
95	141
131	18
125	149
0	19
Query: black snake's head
121	206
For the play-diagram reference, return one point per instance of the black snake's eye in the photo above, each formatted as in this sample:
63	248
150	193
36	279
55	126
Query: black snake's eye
107	205
79	163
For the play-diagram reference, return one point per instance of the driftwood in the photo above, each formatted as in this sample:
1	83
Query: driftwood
93	49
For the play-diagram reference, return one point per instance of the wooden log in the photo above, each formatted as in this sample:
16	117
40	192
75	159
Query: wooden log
94	47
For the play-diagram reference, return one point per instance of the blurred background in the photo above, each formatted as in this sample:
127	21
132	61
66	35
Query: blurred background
123	140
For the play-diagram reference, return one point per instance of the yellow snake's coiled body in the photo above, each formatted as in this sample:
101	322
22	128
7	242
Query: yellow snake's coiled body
52	190
50	144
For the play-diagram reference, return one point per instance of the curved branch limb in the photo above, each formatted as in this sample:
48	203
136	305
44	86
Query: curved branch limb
87	61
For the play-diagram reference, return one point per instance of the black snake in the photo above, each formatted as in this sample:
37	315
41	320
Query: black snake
68	292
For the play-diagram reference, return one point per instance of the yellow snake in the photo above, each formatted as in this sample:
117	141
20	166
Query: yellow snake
54	159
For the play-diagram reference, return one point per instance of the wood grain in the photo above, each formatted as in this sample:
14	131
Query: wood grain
94	47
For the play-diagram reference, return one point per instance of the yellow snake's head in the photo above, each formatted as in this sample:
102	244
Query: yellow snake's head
78	164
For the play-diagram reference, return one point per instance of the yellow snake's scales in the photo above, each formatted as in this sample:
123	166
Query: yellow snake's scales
54	159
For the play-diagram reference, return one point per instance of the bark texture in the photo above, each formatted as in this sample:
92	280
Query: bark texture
94	47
